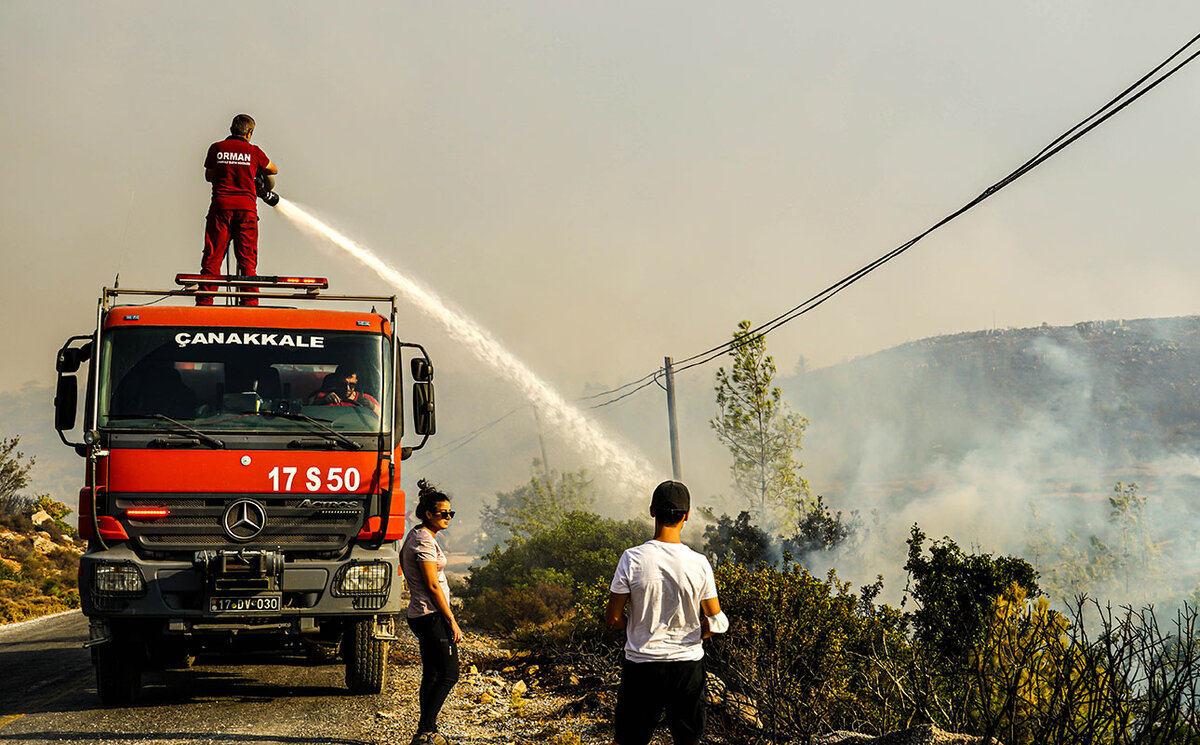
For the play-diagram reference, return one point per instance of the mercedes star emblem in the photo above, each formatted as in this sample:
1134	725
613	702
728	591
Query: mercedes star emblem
244	519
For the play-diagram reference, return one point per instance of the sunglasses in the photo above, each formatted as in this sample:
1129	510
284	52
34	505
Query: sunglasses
444	513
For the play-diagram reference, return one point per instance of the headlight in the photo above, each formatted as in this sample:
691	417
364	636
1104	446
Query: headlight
118	579
363	579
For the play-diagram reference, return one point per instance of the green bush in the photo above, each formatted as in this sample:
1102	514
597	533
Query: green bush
954	592
507	610
741	541
579	550
798	646
537	580
737	540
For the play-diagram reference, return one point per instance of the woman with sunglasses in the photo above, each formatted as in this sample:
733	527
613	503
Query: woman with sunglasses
429	614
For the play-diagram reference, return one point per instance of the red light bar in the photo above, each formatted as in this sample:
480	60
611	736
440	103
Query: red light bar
147	513
237	280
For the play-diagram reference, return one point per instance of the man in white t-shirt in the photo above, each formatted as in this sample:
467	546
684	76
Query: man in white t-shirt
664	596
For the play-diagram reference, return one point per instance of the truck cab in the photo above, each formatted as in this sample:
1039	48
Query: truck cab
241	474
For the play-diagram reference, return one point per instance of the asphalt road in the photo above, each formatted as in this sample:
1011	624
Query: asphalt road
48	695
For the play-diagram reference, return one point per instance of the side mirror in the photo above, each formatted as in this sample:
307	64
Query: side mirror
424	420
70	358
422	371
66	400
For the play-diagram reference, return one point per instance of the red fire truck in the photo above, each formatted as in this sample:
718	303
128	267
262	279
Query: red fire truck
241	485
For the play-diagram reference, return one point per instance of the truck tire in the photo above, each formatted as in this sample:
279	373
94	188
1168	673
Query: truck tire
366	657
118	673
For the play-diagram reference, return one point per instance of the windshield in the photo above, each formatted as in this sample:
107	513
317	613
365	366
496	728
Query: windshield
234	379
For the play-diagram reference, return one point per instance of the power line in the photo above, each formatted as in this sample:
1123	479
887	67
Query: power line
1101	115
653	379
618	388
453	445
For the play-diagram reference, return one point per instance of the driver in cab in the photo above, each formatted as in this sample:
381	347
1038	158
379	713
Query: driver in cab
340	388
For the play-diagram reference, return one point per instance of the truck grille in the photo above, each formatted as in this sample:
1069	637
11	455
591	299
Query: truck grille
195	523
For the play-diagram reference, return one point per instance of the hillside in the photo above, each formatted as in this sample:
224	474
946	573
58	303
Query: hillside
39	561
1114	394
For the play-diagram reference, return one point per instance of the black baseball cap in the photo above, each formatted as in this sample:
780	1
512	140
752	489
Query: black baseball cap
671	495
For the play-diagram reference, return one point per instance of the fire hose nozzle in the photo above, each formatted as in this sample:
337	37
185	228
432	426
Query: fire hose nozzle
262	187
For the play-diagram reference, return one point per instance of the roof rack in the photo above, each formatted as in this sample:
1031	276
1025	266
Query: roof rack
245	286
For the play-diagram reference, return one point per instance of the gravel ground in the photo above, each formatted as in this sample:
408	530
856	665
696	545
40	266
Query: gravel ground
499	700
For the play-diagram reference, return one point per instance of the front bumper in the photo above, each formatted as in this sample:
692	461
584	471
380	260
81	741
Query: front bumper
269	592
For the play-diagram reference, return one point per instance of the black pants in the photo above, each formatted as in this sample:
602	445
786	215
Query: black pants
439	666
650	688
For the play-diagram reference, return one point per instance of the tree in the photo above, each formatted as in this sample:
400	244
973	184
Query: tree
537	506
760	430
14	467
14	477
1136	554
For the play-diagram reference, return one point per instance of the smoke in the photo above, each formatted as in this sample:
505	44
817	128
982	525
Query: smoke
1012	443
632	472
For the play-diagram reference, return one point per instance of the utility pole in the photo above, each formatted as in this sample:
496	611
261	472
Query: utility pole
676	471
542	441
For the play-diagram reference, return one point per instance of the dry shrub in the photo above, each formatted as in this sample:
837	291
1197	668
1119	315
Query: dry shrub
20	602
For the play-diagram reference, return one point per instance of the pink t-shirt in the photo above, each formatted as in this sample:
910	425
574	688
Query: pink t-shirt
420	546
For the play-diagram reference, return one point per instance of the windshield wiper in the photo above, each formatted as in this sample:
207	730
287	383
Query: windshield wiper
332	433
192	431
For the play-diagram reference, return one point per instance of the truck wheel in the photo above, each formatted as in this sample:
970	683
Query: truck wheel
118	673
366	658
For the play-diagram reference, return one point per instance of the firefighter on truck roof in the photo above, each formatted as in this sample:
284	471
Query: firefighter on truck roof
231	166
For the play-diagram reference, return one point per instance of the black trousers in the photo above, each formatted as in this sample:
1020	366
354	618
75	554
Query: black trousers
648	689
439	666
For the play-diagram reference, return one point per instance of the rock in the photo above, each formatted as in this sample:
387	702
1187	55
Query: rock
40	518
486	698
923	734
43	544
12	566
841	737
745	710
385	715
519	688
532	670
714	690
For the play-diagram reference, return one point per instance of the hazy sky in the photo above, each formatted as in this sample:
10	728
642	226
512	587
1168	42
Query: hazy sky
603	184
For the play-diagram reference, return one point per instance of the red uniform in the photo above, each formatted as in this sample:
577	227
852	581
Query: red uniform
233	214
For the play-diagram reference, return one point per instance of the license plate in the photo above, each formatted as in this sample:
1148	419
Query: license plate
255	604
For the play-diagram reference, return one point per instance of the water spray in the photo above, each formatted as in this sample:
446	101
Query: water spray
633	471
